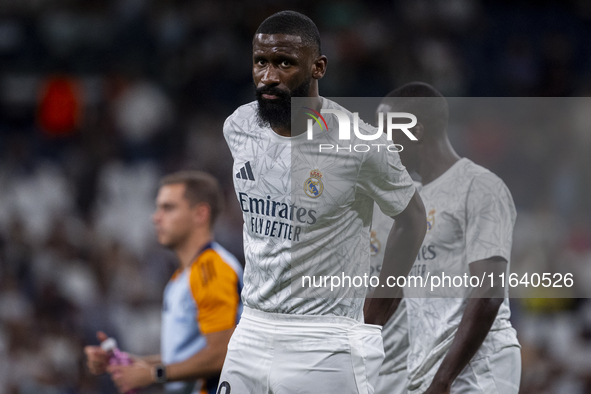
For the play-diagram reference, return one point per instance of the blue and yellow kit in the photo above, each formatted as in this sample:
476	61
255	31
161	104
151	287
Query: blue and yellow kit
198	300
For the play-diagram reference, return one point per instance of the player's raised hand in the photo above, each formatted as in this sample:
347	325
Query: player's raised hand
128	377
97	358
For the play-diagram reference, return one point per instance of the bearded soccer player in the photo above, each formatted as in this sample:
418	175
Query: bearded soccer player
318	219
464	344
201	301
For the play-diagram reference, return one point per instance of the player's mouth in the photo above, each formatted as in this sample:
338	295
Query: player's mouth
271	93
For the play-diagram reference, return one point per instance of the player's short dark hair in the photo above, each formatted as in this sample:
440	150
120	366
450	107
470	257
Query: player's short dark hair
423	101
292	23
200	187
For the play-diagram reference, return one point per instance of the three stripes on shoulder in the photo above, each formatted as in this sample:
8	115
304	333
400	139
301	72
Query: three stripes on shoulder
245	172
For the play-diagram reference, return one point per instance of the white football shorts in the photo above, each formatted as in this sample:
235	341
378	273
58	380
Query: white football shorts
272	353
498	373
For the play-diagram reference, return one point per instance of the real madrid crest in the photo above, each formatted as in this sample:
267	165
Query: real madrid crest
313	186
374	244
430	220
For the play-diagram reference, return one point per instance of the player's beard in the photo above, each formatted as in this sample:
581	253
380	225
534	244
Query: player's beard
277	112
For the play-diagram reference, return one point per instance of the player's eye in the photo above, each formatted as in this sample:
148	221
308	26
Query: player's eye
260	62
285	63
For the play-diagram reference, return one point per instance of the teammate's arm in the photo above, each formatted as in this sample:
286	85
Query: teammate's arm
479	316
154	359
490	216
207	362
402	247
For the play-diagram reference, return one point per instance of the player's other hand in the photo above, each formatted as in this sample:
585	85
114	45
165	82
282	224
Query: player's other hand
128	377
96	358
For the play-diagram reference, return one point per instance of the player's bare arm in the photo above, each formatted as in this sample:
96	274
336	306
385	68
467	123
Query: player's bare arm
154	359
402	248
207	362
476	322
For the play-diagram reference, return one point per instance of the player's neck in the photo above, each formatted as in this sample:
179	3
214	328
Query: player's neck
436	159
189	250
284	131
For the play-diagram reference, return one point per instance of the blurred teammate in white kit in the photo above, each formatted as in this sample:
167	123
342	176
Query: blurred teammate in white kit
456	345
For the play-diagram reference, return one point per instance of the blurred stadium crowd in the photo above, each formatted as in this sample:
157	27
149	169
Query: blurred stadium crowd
99	99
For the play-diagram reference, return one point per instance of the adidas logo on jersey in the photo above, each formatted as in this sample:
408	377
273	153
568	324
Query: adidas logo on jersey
245	172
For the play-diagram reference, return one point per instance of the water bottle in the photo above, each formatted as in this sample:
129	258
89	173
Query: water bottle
117	357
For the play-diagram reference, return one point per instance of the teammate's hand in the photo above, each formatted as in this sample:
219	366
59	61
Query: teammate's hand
97	358
136	375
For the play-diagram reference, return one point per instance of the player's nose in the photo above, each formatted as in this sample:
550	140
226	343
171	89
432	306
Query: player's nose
155	217
270	76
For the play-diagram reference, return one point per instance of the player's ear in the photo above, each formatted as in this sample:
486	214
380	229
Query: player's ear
418	131
319	67
201	213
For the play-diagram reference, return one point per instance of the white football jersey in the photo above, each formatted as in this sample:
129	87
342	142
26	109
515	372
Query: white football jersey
470	217
308	212
395	331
